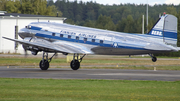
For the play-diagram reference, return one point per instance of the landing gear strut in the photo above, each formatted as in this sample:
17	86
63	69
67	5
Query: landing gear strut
44	63
154	59
75	63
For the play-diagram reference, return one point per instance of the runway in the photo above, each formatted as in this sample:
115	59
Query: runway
109	74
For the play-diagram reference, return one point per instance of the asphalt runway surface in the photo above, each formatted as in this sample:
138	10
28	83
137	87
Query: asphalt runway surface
109	74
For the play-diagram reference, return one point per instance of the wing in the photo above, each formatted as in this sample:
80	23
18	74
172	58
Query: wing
57	46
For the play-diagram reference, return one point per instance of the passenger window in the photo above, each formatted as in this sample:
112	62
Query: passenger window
93	40
85	39
77	37
69	36
53	34
101	41
61	35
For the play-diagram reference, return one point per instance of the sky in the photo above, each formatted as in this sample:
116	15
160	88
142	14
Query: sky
150	2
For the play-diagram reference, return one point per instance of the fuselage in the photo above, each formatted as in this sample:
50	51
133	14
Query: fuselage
96	40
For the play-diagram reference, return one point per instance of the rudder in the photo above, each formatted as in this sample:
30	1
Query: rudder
166	29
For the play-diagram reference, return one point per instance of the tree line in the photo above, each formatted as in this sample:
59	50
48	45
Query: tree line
36	7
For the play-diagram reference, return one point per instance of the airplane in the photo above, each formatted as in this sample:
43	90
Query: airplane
51	37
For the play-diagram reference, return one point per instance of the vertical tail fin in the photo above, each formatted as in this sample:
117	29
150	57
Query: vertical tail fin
166	29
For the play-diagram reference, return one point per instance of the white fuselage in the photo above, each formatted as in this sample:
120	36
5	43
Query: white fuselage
96	41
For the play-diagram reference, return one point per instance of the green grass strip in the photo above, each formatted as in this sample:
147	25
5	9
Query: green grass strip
12	89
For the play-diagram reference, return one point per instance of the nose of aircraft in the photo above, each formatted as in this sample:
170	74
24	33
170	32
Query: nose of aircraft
25	33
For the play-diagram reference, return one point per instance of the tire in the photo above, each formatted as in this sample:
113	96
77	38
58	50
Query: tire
75	64
45	65
154	59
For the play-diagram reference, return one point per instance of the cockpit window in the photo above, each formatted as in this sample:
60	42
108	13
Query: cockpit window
28	27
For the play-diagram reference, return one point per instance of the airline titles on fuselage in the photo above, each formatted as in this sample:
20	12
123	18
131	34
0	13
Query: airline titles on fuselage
77	34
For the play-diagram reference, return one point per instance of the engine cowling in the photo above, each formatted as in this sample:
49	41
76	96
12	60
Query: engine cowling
34	50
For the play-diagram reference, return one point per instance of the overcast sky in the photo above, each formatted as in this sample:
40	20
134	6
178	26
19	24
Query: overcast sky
151	2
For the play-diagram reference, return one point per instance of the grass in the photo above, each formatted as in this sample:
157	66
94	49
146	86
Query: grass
13	89
98	62
87	90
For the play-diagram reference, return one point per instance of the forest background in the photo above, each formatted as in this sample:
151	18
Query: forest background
117	17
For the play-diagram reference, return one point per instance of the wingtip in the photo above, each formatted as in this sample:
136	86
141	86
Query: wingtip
5	37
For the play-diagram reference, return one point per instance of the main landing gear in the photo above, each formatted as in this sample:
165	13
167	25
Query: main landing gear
44	63
75	63
154	59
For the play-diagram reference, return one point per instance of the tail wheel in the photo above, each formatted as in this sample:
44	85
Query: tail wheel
75	64
154	59
44	65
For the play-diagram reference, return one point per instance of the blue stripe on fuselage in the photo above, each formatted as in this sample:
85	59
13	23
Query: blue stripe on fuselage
85	42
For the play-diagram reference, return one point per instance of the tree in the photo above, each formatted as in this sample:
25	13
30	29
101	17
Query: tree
50	2
116	17
3	5
70	21
17	4
100	23
110	26
89	23
172	10
178	36
10	7
129	26
27	7
121	25
124	11
105	22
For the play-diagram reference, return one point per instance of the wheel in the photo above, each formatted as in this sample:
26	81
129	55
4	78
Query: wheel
154	59
75	64
45	65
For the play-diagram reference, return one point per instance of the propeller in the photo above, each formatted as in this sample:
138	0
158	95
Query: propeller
25	51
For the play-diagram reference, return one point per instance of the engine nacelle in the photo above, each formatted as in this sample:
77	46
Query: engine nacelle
34	50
